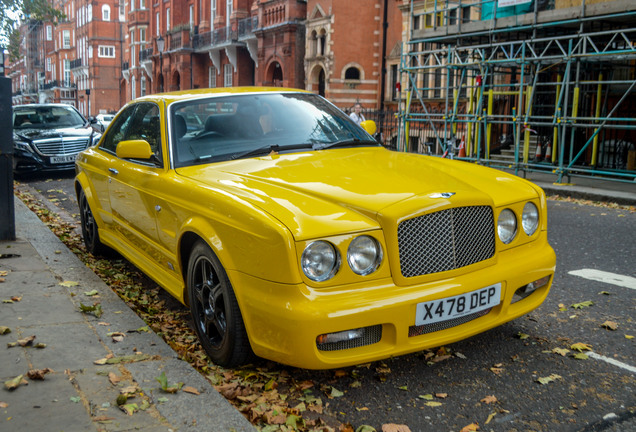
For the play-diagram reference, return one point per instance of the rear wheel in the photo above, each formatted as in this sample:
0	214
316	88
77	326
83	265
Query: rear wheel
215	311
90	232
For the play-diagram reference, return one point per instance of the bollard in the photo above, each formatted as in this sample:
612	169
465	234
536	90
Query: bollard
7	215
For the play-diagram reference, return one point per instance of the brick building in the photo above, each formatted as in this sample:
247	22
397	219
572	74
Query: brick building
350	50
109	52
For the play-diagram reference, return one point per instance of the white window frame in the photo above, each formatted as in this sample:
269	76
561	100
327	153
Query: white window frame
49	33
142	86
167	19
211	77
105	13
66	39
106	51
227	75
48	64
157	18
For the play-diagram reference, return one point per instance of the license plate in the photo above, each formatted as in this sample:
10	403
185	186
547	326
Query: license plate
63	159
458	306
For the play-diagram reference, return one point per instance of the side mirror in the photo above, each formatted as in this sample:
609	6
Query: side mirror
134	149
369	126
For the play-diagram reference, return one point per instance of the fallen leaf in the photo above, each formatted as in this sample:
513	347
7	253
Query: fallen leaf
490	417
130	409
69	284
610	325
335	393
39	345
405	388
22	342
605	293
4	330
13	383
16	298
3	405
75	399
101	419
582	304
522	336
580	356
391	427
441	395
629	337
366	428
117	336
470	428
433	404
129	390
113	378
91	293
548	379
38	374
561	351
163	381
489	399
580	347
96	309
426	397
189	389
496	370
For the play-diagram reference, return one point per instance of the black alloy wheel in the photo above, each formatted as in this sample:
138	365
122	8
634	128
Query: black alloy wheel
89	228
215	311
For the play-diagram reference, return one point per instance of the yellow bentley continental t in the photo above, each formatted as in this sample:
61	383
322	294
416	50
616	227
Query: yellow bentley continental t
293	235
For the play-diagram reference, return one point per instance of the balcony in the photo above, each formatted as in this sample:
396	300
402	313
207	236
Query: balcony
57	84
125	70
221	37
79	70
76	63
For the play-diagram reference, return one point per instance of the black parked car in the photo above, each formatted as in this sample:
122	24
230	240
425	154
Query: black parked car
48	137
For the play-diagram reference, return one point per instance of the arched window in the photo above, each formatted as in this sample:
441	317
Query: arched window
322	43
313	44
106	13
352	73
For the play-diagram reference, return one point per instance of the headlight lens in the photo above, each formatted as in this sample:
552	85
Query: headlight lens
95	139
364	255
506	226
21	145
320	261
530	218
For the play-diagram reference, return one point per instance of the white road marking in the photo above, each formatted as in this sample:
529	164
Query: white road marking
606	277
611	361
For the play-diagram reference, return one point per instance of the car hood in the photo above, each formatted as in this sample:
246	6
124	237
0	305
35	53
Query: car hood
321	193
39	134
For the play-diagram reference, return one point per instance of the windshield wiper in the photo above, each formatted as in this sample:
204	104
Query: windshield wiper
343	143
268	149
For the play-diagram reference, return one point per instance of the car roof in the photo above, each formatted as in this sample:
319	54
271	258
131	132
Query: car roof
176	96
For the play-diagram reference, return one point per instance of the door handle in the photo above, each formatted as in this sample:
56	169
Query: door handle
113	170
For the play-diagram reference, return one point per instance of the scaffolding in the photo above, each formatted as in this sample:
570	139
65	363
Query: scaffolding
543	85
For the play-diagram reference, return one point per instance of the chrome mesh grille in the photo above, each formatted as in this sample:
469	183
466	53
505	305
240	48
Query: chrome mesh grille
60	146
443	325
372	335
446	240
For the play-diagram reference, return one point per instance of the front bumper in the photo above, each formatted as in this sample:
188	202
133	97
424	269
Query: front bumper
283	321
25	162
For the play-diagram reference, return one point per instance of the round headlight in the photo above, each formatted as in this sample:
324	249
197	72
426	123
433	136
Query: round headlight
320	261
530	218
506	226
364	255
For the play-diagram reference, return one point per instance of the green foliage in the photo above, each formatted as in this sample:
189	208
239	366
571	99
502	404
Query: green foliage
14	12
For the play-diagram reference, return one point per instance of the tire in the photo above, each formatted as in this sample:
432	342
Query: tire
215	312
90	232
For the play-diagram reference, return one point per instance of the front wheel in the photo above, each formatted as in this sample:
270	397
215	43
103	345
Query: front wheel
89	228
215	311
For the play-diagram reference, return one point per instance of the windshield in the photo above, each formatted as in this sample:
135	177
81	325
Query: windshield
232	127
46	117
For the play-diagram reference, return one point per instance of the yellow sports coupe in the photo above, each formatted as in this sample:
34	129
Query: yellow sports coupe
293	235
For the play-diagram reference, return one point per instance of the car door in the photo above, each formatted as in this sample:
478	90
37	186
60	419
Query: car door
133	184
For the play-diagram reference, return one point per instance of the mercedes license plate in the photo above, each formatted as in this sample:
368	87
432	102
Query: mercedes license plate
458	306
63	159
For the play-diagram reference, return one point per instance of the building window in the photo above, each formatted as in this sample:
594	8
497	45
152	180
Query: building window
49	33
106	13
157	26
48	64
212	77
191	17
106	51
352	73
142	4
227	75
67	73
167	19
143	86
66	36
133	87
122	10
228	11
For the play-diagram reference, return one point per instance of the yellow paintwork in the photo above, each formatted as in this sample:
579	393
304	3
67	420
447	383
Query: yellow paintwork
258	215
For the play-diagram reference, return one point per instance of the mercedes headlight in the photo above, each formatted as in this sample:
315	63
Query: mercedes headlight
530	218
506	226
364	255
320	261
21	145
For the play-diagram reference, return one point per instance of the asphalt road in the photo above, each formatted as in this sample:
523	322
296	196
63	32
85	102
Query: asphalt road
493	379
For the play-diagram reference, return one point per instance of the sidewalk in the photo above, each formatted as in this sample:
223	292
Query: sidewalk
78	395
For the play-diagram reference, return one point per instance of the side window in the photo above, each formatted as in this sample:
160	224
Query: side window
145	126
118	129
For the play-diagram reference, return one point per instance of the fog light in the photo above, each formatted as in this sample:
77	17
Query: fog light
349	338
526	290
